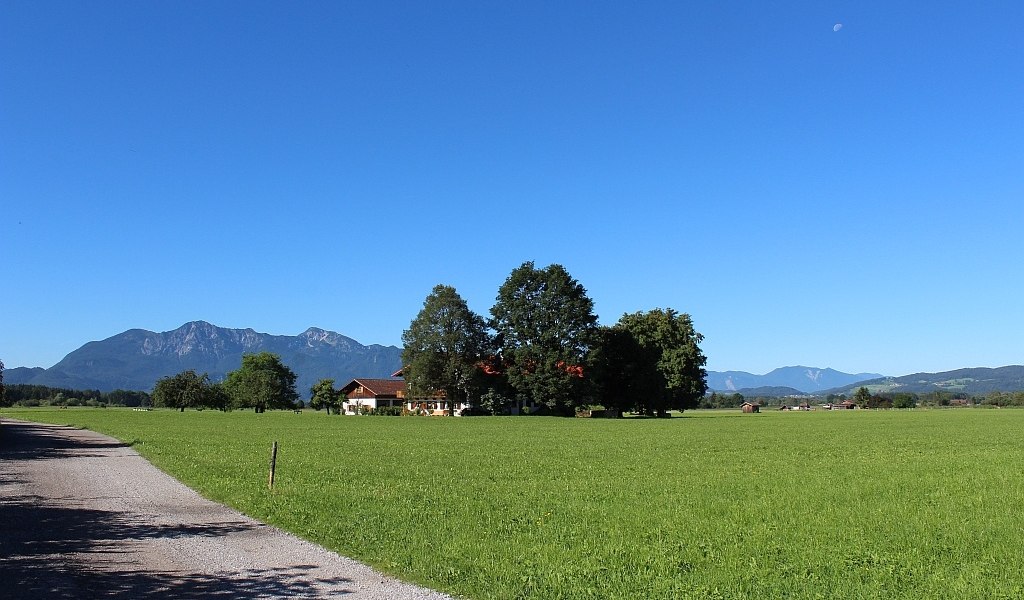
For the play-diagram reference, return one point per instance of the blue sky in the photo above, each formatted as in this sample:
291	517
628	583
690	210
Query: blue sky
848	199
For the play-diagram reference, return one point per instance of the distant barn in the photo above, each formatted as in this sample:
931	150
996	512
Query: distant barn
750	407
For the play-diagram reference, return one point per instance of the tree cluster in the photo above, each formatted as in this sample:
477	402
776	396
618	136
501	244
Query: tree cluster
656	364
543	350
188	390
262	382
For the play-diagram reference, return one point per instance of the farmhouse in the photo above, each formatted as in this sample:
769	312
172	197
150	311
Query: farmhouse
373	394
380	393
750	407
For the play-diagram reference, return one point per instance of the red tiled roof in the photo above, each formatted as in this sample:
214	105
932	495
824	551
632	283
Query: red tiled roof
376	387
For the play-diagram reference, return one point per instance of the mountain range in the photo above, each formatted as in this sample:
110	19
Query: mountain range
978	380
136	359
809	380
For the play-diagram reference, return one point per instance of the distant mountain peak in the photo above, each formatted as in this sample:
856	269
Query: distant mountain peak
321	335
315	336
197	326
135	359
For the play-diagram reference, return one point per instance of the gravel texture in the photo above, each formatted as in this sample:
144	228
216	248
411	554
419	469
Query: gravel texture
84	516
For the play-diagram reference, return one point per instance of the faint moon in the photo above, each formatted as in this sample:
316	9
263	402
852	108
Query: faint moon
837	27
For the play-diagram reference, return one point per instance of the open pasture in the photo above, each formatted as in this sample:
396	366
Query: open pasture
853	504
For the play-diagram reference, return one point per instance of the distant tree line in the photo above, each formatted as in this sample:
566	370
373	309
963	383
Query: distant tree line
1003	399
542	350
864	398
734	400
40	395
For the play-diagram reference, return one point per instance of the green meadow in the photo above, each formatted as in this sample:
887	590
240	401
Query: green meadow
853	504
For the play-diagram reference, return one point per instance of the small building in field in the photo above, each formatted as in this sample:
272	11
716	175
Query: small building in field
373	394
381	393
750	407
845	405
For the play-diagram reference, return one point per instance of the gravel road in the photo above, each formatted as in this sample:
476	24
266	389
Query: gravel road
84	516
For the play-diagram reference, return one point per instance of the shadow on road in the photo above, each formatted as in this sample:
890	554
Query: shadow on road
58	550
19	440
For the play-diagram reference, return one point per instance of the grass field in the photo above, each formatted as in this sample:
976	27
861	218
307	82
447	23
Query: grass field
857	504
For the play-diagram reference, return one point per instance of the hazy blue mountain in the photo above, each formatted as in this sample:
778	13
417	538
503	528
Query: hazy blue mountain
21	374
979	380
805	379
770	391
136	359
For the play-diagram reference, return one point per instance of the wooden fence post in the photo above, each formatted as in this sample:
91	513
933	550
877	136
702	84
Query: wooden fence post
273	465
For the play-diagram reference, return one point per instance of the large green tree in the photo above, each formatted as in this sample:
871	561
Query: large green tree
545	326
444	348
904	400
670	363
262	382
615	371
184	390
323	395
862	397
